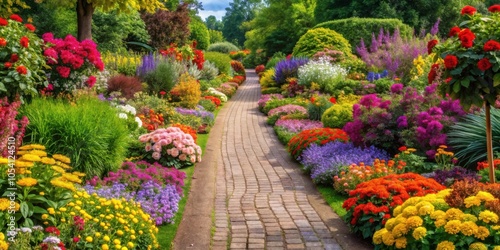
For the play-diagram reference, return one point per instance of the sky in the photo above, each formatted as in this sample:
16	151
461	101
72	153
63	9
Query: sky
215	8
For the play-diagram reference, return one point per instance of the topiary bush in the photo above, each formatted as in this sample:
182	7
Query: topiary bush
199	33
221	61
317	39
88	131
354	29
337	116
222	47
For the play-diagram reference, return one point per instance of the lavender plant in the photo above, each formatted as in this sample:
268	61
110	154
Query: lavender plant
296	126
288	68
323	162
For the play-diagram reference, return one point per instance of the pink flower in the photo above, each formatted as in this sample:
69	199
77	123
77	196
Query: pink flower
183	157
63	71
156	155
91	81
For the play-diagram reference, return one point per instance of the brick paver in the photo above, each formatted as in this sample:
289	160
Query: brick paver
262	198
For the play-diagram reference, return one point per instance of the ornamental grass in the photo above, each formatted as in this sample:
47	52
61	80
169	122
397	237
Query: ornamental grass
463	217
371	203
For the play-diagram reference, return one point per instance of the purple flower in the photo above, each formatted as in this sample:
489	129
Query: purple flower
448	177
265	98
288	68
402	122
296	126
396	88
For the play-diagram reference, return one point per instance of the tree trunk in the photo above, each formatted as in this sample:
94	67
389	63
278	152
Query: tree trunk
489	144
84	12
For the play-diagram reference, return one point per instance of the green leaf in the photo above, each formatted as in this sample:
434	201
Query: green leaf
496	80
39	210
465	82
25	209
2	87
456	88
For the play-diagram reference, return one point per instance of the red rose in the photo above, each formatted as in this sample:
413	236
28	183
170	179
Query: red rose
431	45
91	81
484	64
21	70
16	18
3	42
490	45
454	31
432	73
7	65
466	37
63	71
494	8
450	61
25	42
468	10
3	22
30	27
14	58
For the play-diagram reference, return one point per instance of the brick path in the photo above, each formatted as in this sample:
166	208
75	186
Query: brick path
248	193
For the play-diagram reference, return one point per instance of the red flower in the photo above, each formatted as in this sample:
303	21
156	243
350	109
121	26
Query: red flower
14	58
25	42
162	93
491	45
494	8
466	37
312	99
454	31
432	73
91	81
7	65
53	230
21	70
16	18
3	22
447	80
450	61
468	10
76	239
30	26
333	100
402	148
484	64
3	42
431	45
63	71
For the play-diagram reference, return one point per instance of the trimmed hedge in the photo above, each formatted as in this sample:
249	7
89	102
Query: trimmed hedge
316	39
355	28
222	61
222	47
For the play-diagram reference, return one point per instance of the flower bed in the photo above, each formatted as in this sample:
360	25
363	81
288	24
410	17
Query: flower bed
302	140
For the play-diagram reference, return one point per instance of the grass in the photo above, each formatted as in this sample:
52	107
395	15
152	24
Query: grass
166	233
333	199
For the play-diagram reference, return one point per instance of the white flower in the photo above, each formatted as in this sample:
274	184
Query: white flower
139	122
123	115
127	108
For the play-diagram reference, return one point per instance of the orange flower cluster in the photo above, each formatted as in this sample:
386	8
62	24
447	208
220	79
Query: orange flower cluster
239	79
484	164
152	120
186	129
238	67
321	136
214	99
356	174
371	203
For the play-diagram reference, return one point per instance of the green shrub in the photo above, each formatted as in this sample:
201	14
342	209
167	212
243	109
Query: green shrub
337	116
254	58
267	79
199	33
353	64
346	86
283	135
222	61
383	85
207	105
89	132
274	103
222	47
468	138
209	71
163	78
317	107
278	56
354	29
271	90
317	39
215	36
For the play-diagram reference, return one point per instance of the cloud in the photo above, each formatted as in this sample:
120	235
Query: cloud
206	13
215	5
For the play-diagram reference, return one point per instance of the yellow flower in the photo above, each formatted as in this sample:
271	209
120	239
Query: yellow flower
377	236
51	210
40	153
31	157
48	161
419	233
63	165
477	246
4	160
445	245
72	178
45	216
468	228
4	204
2	236
42	193
400	243
389	224
105	247
32	146
89	239
454	214
388	239
119	232
106	238
130	244
410	211
116	242
496	248
4	245
79	174
487	216
452	226
438	214
413	222
399	230
469	217
23	164
472	201
485	196
482	232
27	182
57	182
62	158
58	169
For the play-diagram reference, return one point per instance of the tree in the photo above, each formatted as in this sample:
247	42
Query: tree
166	27
238	12
213	24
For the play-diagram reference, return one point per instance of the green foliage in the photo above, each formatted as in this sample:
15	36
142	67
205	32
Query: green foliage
163	78
222	47
346	86
89	132
274	103
267	79
317	39
213	24
222	61
354	29
256	57
337	116
271	90
209	71
468	138
59	20
316	108
167	27
199	33
207	105
284	135
111	30
354	65
279	56
238	12
215	36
